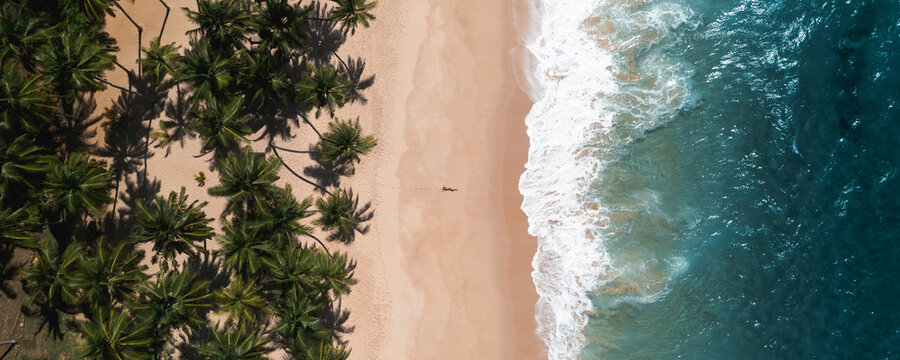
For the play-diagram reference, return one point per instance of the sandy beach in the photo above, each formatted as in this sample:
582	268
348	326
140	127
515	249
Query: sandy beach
442	275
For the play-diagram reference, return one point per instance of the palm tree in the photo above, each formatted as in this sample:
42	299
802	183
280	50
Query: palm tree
78	185
110	273
50	279
96	10
24	105
223	22
205	70
333	273
174	226
344	143
322	351
293	269
280	25
73	62
352	13
246	179
20	161
323	87
263	80
221	127
160	60
336	211
280	220
14	227
242	301
173	302
235	343
243	249
21	35
298	321
115	334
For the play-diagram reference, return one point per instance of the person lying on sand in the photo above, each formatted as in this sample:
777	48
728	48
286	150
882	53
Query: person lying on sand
445	188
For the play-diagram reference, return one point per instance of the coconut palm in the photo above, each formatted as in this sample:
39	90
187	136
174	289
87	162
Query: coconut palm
333	273
343	144
298	321
322	351
352	13
174	226
280	26
235	343
223	22
246	179
173	302
50	281
337	211
73	62
263	80
160	60
221	126
243	249
20	162
115	334
205	70
292	269
280	220
323	87
78	185
21	35
96	10
14	228
242	301
24	105
110	273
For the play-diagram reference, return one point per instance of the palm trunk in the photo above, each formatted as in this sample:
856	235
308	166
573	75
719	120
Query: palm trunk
274	150
306	120
165	19
140	30
321	244
116	198
346	68
290	150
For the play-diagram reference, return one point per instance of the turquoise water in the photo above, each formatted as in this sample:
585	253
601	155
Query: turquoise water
761	217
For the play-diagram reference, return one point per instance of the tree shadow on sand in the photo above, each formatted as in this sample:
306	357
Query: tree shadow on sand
140	188
361	215
177	111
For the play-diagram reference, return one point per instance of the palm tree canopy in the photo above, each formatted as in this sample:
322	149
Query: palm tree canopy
221	21
115	334
333	272
323	87
242	301
14	227
280	220
280	25
173	301
293	269
160	60
50	280
110	273
20	161
263	80
352	13
173	225
243	249
323	351
336	211
78	185
24	105
344	143
208	73
298	322
96	10
235	343
222	127
21	35
246	179
74	62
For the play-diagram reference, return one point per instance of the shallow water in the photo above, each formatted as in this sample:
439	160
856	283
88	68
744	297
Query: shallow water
715	179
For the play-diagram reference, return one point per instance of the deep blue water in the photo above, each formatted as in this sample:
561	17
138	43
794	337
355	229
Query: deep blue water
778	185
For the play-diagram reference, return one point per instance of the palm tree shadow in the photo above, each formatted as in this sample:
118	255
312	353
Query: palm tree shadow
8	271
177	111
198	336
141	188
334	318
72	132
208	268
355	69
329	37
325	174
361	215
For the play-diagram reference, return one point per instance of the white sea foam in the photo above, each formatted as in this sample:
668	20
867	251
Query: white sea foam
597	86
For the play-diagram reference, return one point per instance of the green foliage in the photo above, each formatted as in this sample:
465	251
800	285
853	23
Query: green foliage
110	273
336	211
246	179
20	163
14	227
160	60
263	80
322	351
291	269
115	334
50	281
78	185
243	249
96	10
280	220
235	343
333	273
173	302
242	301
352	13
343	144
21	35
74	62
298	321
223	22
200	178
174	226
323	87
280	25
221	128
206	70
24	105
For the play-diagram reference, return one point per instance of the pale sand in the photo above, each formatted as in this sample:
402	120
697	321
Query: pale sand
442	275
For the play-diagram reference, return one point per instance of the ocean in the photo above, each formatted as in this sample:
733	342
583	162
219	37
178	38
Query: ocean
715	179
